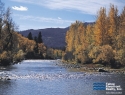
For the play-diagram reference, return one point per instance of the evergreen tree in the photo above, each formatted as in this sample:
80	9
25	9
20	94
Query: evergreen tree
36	46
36	39
40	38
30	36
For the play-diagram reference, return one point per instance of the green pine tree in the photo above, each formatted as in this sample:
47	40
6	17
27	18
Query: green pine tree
40	38
30	36
36	39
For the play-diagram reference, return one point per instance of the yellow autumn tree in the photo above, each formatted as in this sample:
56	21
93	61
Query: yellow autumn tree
122	21
121	31
113	25
76	41
80	39
102	42
69	38
89	34
120	52
100	30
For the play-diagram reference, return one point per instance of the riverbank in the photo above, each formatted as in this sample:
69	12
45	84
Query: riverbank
86	69
91	68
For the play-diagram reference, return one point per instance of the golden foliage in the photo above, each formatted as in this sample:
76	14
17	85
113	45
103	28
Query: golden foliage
19	56
4	55
41	48
102	42
89	34
102	54
120	56
100	30
75	37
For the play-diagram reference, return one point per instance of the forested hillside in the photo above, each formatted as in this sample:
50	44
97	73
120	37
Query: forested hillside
102	42
52	37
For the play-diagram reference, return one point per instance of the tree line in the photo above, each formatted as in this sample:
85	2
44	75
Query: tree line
7	36
102	42
50	53
13	46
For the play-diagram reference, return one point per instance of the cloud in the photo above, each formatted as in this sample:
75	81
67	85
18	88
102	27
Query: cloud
41	22
84	6
21	8
43	19
59	18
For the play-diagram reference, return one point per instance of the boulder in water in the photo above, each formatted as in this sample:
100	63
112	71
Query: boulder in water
101	70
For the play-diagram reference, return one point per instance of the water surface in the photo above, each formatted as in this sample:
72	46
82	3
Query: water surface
45	77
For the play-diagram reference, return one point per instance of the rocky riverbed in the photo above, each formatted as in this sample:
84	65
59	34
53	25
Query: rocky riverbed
92	68
51	77
87	69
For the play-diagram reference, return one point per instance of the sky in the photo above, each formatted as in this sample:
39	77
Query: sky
40	14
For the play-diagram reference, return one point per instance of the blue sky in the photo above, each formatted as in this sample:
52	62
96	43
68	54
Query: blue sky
39	14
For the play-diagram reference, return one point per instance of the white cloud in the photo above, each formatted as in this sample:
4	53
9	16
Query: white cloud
21	8
84	6
41	22
43	19
27	26
59	18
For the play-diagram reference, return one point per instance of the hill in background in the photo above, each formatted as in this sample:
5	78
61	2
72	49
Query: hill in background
52	37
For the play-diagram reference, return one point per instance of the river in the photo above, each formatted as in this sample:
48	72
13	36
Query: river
45	77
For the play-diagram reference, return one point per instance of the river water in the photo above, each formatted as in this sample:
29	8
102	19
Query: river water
45	77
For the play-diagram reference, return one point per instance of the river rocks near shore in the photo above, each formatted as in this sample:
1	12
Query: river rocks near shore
102	70
91	68
84	70
4	76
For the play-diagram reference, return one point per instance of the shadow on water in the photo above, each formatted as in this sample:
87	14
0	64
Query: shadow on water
5	87
8	68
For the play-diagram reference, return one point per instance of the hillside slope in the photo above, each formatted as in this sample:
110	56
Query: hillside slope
52	37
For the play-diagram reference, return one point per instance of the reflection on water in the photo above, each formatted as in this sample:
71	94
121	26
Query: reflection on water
44	77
